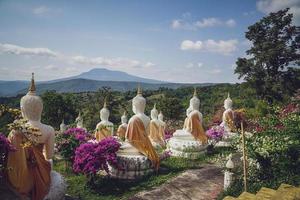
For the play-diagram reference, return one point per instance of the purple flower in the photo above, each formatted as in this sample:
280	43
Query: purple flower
91	157
5	147
215	133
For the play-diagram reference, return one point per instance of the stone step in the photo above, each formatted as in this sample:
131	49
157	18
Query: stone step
266	193
229	198
288	192
247	196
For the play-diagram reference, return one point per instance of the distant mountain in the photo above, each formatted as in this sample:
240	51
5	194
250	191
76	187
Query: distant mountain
90	81
102	74
84	85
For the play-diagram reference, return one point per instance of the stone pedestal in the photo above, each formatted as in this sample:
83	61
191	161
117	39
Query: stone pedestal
183	144
134	164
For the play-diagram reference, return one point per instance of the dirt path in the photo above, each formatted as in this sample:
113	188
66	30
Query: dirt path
205	183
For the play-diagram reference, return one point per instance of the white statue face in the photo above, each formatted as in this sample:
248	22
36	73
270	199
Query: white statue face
104	114
138	104
31	107
227	104
154	114
195	103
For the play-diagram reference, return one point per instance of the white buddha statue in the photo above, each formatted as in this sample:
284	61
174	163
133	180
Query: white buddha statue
31	173
228	115
63	127
155	135
137	153
191	140
162	125
104	128
79	121
123	127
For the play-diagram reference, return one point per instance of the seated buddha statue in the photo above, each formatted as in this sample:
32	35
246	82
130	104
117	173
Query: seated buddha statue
228	115
79	121
155	134
138	130
136	155
195	120
31	173
191	141
162	125
104	128
123	127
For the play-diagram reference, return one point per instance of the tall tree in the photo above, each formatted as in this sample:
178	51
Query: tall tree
271	63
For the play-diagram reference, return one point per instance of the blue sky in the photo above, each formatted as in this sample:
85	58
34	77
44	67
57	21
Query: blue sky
178	41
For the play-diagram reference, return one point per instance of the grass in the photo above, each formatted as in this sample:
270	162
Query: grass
109	189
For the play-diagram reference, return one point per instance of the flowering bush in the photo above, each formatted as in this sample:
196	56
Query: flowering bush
5	147
215	133
92	156
68	141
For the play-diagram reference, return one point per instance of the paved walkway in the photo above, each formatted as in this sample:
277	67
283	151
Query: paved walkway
197	184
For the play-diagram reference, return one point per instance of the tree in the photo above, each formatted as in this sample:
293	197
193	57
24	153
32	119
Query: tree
271	61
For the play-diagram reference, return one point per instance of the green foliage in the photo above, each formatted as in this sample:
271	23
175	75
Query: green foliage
273	153
274	53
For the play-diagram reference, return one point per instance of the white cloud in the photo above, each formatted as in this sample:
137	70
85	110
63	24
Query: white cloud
200	64
190	45
18	50
51	67
194	65
40	10
230	23
45	52
149	65
186	24
208	22
176	24
225	47
267	6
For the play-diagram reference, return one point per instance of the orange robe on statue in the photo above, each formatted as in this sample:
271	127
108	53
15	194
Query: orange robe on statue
102	133
121	131
156	134
229	120
29	171
194	125
137	137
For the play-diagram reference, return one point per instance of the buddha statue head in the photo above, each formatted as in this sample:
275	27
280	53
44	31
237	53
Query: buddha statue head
124	118
154	112
31	104
195	102
228	102
104	112
161	116
138	102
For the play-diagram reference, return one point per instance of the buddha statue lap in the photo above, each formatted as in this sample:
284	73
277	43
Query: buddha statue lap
31	173
104	128
137	156
191	141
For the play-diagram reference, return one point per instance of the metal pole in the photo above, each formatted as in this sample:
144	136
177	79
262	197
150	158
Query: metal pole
244	157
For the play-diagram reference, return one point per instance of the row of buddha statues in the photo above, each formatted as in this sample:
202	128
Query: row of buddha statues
32	173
